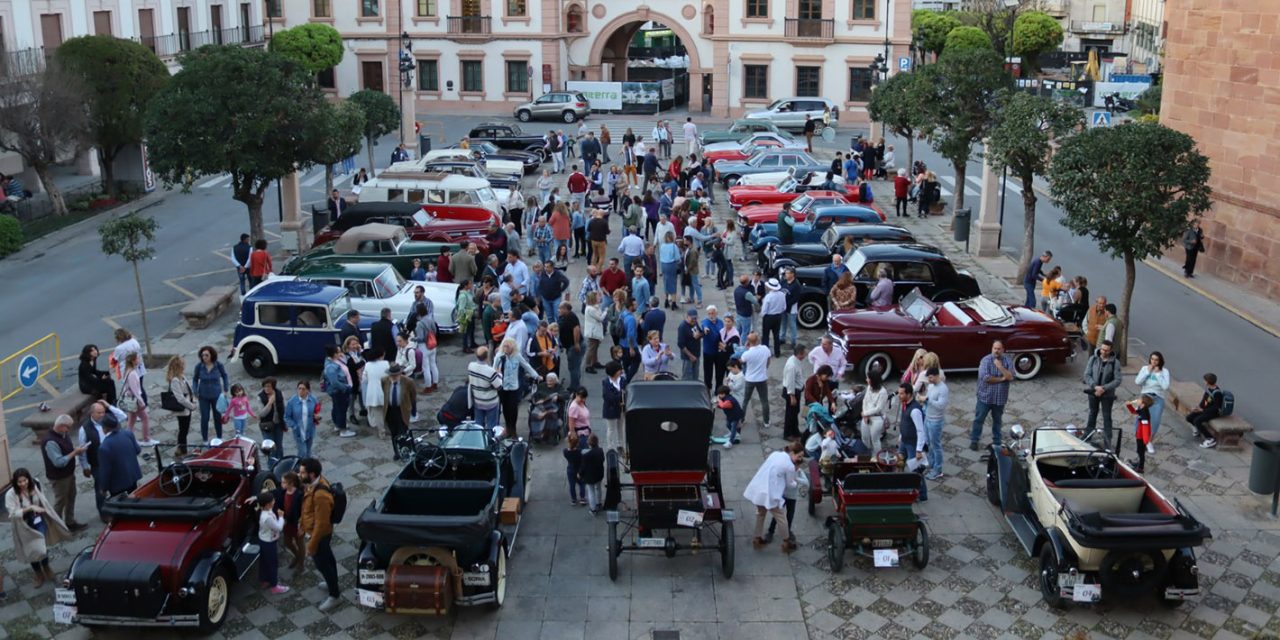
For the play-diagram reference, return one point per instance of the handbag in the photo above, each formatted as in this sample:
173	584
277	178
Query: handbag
169	402
431	340
128	403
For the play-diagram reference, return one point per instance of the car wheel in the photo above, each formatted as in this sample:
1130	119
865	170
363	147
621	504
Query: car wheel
811	314
920	554
569	117
1049	572
615	549
257	361
217	596
993	481
880	360
500	577
1131	574
612	480
1026	365
731	180
264	481
947	295
836	541
726	549
713	470
524	115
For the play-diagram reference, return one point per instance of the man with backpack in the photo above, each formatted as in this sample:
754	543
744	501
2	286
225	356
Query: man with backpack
1213	404
1101	379
323	506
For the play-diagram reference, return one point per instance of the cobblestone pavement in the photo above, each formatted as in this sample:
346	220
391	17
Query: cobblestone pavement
979	583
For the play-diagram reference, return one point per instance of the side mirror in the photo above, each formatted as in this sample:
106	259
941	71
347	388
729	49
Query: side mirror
1017	431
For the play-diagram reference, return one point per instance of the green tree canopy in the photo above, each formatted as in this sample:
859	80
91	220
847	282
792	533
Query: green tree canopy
119	77
315	46
896	103
130	237
1133	188
233	110
381	116
933	27
1034	33
967	38
335	132
1149	101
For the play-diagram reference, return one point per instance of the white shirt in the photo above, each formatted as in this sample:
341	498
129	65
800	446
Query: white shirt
374	372
775	476
690	131
127	347
662	229
1154	384
755	363
269	526
792	376
775	303
631	246
836	360
875	403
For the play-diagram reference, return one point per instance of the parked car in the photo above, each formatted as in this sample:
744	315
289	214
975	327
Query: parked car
508	136
290	323
746	195
780	139
768	161
959	331
371	243
789	113
474	169
372	287
911	266
751	215
432	223
776	257
529	158
568	106
173	548
815	223
810	178
504	169
1097	526
737	132
741	151
416	186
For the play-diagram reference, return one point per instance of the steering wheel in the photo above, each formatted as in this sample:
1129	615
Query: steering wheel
429	460
1096	465
888	458
175	479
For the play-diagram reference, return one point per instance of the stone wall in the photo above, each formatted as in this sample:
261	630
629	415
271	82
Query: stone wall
1222	86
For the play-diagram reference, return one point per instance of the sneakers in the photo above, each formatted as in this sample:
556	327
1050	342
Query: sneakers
279	589
149	442
728	444
329	604
1151	448
1209	444
347	434
933	475
415	418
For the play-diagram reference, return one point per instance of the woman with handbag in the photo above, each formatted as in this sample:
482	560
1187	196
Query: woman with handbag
179	400
426	333
210	381
270	410
35	525
132	402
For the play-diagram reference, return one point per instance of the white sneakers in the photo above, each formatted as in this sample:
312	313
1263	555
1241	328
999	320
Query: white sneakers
728	444
1209	444
1151	448
329	603
347	434
149	443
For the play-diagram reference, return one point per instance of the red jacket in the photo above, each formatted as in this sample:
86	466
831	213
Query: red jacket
260	263
613	279
443	274
900	186
578	183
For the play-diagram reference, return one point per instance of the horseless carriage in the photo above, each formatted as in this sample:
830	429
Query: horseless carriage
442	532
676	483
874	514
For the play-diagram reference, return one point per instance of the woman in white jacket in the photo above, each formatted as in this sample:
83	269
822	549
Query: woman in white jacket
875	404
1154	379
593	330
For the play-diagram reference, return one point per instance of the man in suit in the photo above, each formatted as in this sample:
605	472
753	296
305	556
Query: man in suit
401	398
337	206
92	430
382	335
118	470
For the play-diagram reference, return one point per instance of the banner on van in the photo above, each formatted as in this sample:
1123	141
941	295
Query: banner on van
603	96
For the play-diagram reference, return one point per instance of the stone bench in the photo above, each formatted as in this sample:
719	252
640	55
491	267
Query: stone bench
202	311
1184	397
73	403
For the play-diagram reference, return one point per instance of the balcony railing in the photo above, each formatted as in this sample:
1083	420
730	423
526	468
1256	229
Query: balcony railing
814	28
1085	26
26	62
171	45
470	25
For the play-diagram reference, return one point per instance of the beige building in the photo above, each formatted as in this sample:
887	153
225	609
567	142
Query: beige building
1222	86
1146	35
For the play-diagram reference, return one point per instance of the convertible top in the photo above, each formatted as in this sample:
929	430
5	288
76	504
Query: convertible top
351	239
668	425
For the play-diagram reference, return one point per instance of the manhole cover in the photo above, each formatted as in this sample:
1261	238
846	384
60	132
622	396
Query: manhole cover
666	635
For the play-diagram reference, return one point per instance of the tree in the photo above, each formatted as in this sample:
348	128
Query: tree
896	103
1034	33
233	110
120	77
46	119
1148	101
958	105
130	237
336	133
997	20
1133	189
1021	141
933	27
316	46
962	38
381	116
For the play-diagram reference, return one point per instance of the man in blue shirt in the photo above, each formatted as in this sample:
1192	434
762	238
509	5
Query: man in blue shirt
831	275
630	348
640	290
1033	275
994	374
519	273
688	339
712	368
653	319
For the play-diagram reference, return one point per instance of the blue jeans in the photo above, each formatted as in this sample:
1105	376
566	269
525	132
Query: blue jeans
980	416
933	430
244	277
573	360
487	417
208	407
908	451
733	430
302	438
1030	288
544	252
239	423
550	309
341	401
697	288
744	325
789	329
577	490
1157	410
688	369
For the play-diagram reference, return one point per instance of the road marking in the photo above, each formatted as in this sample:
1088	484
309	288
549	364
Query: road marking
216	182
45	384
975	181
180	289
311	181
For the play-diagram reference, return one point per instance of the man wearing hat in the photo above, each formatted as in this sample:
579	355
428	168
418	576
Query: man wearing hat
772	310
401	398
689	341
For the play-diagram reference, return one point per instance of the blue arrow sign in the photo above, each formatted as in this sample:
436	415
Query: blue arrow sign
28	371
1101	119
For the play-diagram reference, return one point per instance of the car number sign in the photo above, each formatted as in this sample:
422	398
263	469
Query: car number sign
688	518
64	614
885	557
1086	592
374	576
369	598
475	579
652	543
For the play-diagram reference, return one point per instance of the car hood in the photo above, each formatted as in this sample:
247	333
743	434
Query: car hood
164	543
725	167
766	213
864	320
753	188
803	249
730	145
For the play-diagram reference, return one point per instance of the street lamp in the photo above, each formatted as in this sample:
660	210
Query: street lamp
880	67
407	66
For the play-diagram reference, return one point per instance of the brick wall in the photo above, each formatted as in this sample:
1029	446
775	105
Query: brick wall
1222	86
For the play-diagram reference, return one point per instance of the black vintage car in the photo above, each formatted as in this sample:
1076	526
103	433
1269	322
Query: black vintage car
491	151
911	266
508	136
776	257
472	170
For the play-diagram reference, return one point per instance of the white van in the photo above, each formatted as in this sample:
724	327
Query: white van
505	167
394	185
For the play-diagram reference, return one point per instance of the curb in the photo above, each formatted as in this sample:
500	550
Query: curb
141	204
1241	313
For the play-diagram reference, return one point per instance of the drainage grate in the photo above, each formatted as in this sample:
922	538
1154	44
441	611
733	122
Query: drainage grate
665	635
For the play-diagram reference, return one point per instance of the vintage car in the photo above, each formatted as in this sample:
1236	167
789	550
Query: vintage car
432	222
778	194
737	132
768	161
776	139
476	169
494	169
173	548
776	257
801	207
741	152
815	224
290	323
441	533
809	179
508	137
911	266
371	243
1098	528
959	331
490	151
372	287
416	186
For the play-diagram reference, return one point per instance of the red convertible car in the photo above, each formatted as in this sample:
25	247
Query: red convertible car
432	223
173	547
803	205
743	195
960	332
740	152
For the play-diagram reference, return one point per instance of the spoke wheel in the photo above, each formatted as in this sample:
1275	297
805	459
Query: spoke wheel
836	542
726	549
920	554
500	577
217	596
1049	571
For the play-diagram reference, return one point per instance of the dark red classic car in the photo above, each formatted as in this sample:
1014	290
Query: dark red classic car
960	332
806	203
738	153
431	223
743	195
174	547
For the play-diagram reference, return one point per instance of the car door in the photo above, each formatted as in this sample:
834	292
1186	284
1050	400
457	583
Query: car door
910	275
768	163
785	117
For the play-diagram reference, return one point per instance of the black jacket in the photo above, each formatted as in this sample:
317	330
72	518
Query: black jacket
382	336
592	469
294	513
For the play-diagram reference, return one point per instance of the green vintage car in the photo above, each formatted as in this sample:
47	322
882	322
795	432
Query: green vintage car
373	242
738	131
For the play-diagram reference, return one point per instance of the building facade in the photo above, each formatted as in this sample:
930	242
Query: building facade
1094	24
1146	35
1222	86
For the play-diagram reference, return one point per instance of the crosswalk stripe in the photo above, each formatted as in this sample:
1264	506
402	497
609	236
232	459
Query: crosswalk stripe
217	182
973	180
311	181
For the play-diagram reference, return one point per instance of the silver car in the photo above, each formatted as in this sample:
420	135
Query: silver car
789	113
568	106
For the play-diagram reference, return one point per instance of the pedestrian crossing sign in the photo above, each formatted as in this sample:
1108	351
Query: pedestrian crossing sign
1100	119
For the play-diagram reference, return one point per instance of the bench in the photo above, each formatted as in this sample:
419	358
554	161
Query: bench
202	311
1184	397
73	403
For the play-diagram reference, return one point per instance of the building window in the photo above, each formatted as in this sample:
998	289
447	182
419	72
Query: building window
860	80
101	23
472	76
757	81
708	20
428	75
426	8
807	83
517	8
369	8
573	19
864	10
326	80
321	9
517	76
274	10
757	8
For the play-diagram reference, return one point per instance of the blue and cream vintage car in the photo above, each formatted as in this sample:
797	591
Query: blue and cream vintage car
290	323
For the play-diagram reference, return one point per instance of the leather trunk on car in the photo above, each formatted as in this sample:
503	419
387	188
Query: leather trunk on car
419	590
118	588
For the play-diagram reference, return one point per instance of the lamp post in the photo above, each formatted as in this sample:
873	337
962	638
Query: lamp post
880	67
407	66
266	17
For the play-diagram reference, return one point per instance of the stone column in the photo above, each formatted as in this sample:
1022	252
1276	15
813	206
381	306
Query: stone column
408	117
293	238
988	209
87	163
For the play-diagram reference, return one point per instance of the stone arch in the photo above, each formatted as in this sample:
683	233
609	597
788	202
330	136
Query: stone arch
605	33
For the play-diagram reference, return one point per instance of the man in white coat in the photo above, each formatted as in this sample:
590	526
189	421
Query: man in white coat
766	489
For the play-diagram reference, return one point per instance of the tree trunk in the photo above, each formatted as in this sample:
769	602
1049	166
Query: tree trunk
368	147
256	230
50	187
107	161
1121	342
245	192
142	308
1028	224
959	195
911	153
328	180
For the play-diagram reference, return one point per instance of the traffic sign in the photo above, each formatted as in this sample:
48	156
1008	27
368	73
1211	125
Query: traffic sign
1100	119
28	371
904	63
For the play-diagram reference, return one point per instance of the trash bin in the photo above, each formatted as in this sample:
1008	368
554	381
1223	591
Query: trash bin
1266	462
424	145
961	225
319	220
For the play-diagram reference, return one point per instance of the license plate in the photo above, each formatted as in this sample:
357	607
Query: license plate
475	579
885	557
1068	581
374	576
65	596
1086	592
64	614
372	599
880	544
653	543
689	518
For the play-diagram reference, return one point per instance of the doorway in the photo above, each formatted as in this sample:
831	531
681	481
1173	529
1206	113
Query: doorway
371	72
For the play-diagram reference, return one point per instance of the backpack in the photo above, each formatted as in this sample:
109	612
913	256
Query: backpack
339	501
1228	403
616	328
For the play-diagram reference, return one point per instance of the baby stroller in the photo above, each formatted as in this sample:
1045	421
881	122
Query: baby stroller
547	414
455	409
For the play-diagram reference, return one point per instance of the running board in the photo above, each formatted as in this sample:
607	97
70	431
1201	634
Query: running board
1023	529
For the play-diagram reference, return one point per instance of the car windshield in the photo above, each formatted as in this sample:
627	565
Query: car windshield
338	309
466	437
857	260
486	195
830	238
756	159
421	218
388	283
799	204
788	186
1056	440
773	106
750	149
918	306
486	147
